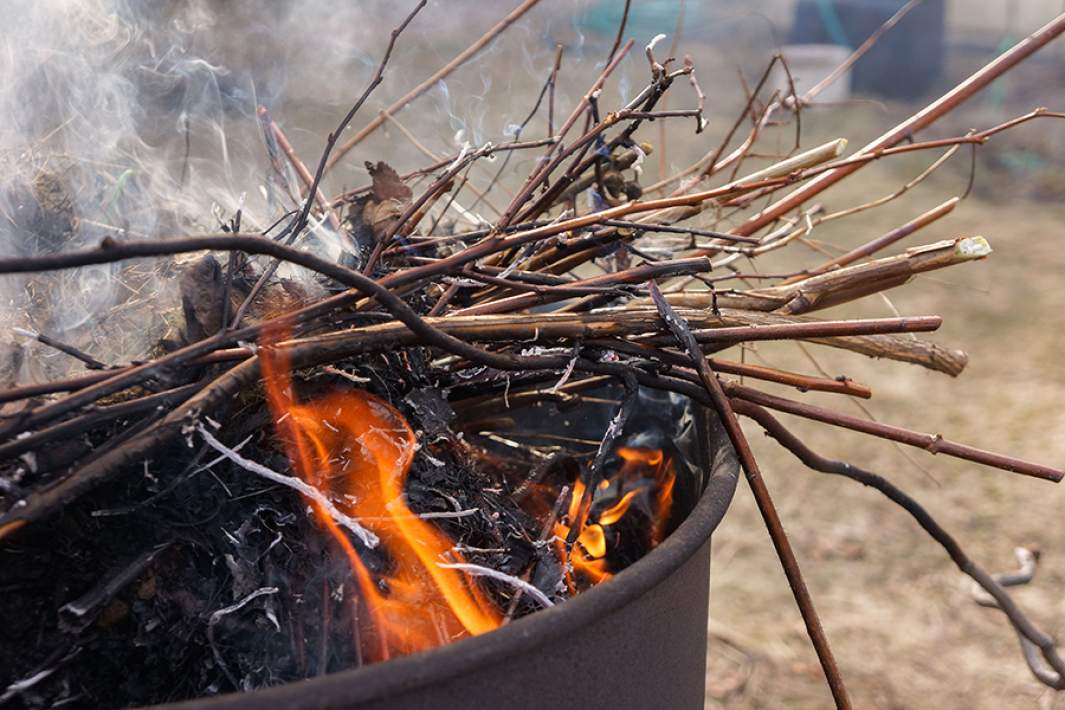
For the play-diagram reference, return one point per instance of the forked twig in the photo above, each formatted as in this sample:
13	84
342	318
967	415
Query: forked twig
1026	630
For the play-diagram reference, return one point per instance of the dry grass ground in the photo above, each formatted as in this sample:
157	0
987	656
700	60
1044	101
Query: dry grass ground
903	625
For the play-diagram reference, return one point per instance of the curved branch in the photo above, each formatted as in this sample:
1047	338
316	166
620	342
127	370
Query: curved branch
1028	632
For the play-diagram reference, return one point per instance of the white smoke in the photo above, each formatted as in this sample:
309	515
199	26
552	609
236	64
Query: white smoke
138	120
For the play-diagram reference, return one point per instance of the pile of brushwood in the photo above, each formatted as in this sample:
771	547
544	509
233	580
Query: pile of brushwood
147	507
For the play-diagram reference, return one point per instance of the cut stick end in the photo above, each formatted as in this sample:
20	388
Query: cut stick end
654	41
972	248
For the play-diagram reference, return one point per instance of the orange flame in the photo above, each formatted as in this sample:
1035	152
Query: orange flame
357	449
642	470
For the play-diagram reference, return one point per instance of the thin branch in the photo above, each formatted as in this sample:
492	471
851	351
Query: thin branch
88	360
933	443
1028	632
301	169
680	330
918	121
858	53
621	32
324	162
885	240
441	73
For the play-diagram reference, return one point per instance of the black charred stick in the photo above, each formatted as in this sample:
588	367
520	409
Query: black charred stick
326	625
680	330
545	535
671	113
76	615
89	361
595	470
95	418
231	269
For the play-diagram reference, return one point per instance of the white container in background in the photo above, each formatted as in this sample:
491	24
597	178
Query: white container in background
809	64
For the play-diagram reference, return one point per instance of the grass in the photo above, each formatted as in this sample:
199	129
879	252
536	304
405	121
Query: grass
900	617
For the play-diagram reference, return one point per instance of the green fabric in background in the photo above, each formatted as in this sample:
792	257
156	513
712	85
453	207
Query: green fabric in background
647	18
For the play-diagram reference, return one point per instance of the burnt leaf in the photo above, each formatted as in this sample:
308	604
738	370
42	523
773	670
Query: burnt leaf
547	577
433	411
389	199
387	184
201	285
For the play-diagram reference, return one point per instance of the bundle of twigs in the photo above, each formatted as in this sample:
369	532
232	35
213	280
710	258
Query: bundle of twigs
636	294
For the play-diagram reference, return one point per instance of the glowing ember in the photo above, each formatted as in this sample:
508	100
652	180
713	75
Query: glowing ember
644	472
358	450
